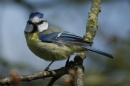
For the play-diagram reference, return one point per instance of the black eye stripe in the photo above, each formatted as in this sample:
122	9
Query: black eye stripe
39	22
29	22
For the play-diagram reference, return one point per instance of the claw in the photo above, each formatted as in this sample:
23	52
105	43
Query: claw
67	62
47	68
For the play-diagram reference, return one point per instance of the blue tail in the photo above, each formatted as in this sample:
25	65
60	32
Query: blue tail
99	52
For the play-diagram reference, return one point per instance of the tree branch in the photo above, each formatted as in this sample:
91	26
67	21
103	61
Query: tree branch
39	75
91	27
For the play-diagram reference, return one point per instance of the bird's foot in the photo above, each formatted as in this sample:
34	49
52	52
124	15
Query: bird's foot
69	63
47	68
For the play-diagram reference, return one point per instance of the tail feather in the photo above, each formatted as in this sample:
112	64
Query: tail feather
99	52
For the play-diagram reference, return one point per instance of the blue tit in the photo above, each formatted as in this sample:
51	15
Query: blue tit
51	43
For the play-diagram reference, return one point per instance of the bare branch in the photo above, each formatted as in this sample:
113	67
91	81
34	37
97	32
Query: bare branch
39	75
53	80
91	27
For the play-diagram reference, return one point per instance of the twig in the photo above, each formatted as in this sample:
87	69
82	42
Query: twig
53	80
91	27
38	75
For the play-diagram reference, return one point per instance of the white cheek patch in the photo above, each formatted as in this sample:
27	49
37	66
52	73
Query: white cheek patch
43	27
29	28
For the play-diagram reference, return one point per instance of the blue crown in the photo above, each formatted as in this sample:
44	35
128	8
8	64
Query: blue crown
36	14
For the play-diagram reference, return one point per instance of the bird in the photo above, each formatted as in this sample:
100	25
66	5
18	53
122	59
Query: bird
53	44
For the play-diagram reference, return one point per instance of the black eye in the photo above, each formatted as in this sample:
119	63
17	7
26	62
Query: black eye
40	22
29	22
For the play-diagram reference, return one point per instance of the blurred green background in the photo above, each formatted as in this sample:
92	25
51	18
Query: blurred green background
113	36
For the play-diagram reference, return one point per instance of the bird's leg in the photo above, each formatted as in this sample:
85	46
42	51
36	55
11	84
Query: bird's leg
67	62
47	68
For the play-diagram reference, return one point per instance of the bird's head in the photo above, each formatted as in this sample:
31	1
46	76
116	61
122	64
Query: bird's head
36	23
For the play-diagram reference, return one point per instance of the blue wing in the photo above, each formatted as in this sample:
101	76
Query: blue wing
69	39
62	37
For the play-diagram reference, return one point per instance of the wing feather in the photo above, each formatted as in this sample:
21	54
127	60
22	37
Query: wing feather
62	37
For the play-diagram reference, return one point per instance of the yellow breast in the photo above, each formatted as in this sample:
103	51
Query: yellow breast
47	51
34	44
31	37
